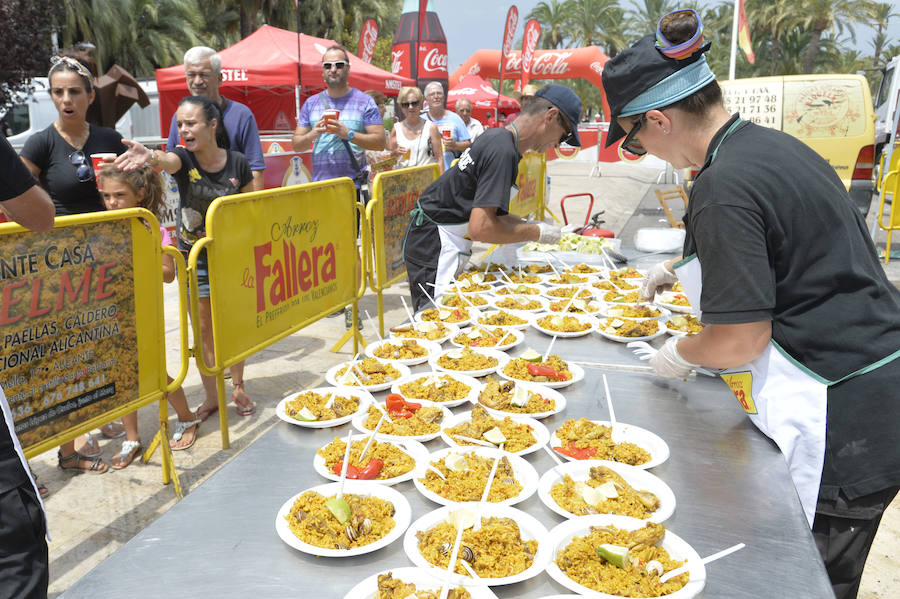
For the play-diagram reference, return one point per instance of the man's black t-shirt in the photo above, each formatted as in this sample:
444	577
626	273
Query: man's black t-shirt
483	177
779	239
50	153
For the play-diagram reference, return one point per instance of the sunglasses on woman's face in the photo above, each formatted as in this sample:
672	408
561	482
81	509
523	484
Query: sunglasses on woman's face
83	170
631	143
409	104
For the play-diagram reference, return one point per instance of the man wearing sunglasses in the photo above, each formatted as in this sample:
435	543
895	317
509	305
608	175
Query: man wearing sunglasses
339	144
470	202
203	71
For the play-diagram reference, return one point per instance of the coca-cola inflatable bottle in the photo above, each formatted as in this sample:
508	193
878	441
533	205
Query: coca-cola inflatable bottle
432	64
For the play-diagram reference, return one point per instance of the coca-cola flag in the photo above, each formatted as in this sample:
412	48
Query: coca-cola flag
367	38
529	44
509	30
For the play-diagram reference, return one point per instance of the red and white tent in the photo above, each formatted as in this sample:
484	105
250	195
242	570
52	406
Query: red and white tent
261	71
482	96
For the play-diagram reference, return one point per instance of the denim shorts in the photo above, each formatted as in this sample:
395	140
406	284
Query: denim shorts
202	271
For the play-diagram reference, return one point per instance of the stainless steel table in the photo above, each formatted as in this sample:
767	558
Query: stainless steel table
730	482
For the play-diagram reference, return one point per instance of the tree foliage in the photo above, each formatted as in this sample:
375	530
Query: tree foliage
26	28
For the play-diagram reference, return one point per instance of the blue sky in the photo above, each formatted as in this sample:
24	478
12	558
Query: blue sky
475	24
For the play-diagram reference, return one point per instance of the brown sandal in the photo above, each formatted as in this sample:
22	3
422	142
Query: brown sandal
243	409
73	462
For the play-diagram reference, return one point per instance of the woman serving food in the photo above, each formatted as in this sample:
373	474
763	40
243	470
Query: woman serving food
805	326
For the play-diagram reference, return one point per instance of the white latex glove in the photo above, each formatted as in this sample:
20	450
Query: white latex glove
658	276
549	233
668	363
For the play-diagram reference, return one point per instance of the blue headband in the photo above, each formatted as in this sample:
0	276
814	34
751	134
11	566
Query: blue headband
680	84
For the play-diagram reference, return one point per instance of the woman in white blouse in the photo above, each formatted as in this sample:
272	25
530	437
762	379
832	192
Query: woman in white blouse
414	139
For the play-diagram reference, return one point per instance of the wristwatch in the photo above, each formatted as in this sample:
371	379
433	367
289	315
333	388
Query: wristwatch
350	134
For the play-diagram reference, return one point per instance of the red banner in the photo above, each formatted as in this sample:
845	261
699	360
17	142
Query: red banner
529	44
509	30
744	34
367	37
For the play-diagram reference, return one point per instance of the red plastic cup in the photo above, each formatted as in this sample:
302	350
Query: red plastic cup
331	117
97	161
447	132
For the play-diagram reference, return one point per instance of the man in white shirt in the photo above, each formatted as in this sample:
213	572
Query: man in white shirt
464	110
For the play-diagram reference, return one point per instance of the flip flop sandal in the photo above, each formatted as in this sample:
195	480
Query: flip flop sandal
130	450
41	487
88	446
113	430
242	409
97	466
183	427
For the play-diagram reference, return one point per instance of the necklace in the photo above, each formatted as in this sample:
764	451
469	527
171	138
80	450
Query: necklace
76	142
515	132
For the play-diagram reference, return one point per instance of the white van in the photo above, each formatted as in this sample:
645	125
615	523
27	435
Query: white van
38	112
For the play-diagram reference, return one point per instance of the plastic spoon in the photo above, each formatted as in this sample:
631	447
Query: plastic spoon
612	413
475	441
460	521
375	328
549	347
668	575
372	437
487	488
337	505
412	321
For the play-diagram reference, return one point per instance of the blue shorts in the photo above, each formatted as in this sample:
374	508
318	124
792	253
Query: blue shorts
202	271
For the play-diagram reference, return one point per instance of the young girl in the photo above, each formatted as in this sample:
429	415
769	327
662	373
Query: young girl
142	188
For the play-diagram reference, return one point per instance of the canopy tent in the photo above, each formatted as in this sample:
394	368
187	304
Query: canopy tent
482	96
261	71
565	63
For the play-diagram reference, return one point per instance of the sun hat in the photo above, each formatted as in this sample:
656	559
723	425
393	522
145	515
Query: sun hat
568	103
643	77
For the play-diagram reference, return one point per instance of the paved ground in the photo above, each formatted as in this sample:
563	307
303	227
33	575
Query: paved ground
93	515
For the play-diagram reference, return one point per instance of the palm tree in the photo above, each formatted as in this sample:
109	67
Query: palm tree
585	17
882	13
645	17
554	19
824	15
613	34
775	18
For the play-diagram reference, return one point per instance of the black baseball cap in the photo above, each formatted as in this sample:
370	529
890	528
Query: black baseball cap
568	103
639	73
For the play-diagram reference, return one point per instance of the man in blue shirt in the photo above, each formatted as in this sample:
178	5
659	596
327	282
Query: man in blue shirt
203	70
444	119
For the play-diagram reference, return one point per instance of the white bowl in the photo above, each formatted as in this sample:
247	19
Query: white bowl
524	473
576	370
661	330
542	390
490	313
664	313
402	516
538	431
582	318
514	290
501	358
640	480
430	346
562	534
413	449
519	336
529	529
541	301
359	419
461	323
474	384
665	300
452	330
331	377
368	588
653	443
364	399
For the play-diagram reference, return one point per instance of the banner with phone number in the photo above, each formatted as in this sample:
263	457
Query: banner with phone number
69	335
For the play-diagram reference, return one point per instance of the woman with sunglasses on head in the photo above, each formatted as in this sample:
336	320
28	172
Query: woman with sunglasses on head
779	262
204	169
60	158
414	139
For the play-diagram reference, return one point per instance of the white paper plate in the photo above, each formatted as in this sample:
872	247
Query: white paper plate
364	396
539	431
637	478
451	328
676	332
501	358
467	296
402	516
621	273
665	300
543	390
474	384
413	449
562	534
664	313
542	301
461	323
659	449
529	529
591	304
588	280
368	588
553	298
431	347
576	370
583	318
358	420
620	339
519	335
524	473
514	290
488	313
331	377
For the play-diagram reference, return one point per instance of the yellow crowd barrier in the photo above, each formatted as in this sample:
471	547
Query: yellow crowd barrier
279	260
394	195
82	326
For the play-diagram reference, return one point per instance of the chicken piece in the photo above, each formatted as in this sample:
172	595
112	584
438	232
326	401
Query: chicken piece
648	536
602	474
430	414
